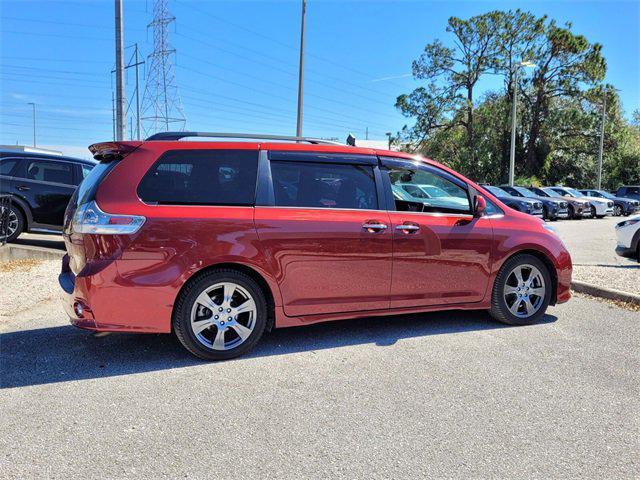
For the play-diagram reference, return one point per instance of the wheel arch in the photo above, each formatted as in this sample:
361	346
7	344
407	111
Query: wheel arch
24	209
255	275
546	260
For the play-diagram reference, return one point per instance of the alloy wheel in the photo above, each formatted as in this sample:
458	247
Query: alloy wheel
223	316
12	224
524	291
618	211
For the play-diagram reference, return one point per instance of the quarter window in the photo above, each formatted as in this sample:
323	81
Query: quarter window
202	177
422	188
323	185
47	171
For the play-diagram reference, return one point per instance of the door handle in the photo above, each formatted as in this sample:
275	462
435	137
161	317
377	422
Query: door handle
22	188
408	228
374	226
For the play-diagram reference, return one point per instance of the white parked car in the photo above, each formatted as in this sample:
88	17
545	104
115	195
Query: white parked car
628	234
600	207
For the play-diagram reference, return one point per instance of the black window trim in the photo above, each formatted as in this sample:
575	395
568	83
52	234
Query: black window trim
265	196
201	204
389	161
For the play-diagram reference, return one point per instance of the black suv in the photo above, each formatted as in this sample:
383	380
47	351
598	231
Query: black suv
39	186
629	191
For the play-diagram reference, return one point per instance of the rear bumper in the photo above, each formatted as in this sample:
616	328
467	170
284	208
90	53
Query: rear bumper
104	302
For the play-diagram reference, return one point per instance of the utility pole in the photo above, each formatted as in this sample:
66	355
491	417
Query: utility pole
512	153
514	109
301	72
34	122
121	125
113	115
604	118
388	134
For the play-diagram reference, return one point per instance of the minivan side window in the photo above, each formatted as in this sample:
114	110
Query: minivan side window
417	187
201	177
49	171
323	185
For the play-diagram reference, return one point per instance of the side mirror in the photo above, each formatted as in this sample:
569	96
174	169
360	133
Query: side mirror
480	206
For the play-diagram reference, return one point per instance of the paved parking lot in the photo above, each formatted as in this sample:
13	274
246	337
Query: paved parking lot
447	395
439	395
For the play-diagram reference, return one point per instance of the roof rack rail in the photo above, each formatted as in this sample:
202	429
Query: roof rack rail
170	136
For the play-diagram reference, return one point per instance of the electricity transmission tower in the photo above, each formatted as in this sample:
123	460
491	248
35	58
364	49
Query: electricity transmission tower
161	105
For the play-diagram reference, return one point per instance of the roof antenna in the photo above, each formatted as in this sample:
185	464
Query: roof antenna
351	140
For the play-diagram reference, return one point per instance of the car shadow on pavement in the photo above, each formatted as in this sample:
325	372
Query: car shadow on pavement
65	353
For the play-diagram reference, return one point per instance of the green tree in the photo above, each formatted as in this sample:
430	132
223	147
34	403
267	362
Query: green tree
452	75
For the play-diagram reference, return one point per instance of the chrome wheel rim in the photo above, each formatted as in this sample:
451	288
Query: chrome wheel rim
618	210
223	316
12	223
524	291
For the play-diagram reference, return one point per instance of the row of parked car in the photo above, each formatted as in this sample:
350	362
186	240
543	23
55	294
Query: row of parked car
553	203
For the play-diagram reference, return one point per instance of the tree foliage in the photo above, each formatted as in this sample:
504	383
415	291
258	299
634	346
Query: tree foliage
559	110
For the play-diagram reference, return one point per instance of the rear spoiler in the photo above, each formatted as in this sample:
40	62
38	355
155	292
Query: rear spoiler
110	151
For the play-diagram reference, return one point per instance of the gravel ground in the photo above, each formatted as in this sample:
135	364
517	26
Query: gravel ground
27	284
592	246
624	278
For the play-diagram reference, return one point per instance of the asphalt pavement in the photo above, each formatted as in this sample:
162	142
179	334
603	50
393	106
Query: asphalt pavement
447	395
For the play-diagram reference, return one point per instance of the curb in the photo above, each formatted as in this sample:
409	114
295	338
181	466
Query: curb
608	293
14	252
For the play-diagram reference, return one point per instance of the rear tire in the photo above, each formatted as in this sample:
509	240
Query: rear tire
524	300
15	224
220	315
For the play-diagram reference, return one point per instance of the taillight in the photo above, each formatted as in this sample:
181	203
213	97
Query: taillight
88	218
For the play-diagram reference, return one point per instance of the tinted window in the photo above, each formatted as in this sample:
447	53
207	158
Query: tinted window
86	169
49	171
7	165
325	185
202	177
432	190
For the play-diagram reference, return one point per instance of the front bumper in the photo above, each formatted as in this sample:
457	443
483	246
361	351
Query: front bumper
626	252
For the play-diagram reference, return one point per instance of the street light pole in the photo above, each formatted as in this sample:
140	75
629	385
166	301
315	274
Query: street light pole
34	122
301	72
514	108
512	154
604	117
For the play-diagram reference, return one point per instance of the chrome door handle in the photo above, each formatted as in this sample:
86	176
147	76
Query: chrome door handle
22	188
374	227
408	228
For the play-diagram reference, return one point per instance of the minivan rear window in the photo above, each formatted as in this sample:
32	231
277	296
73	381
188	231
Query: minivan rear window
201	177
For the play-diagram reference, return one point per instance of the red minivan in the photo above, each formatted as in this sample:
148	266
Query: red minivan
221	240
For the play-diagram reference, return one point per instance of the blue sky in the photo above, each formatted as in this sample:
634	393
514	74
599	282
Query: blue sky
236	62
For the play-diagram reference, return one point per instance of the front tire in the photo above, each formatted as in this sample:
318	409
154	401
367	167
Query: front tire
220	315
15	224
522	291
618	211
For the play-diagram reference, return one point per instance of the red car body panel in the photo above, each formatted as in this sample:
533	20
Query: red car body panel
318	265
